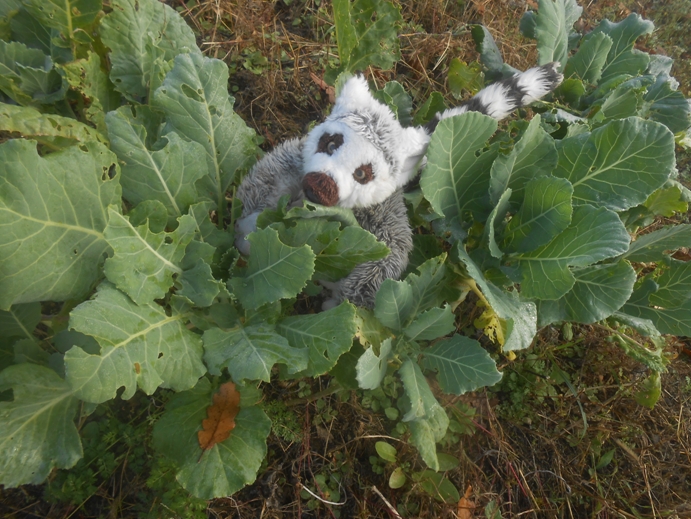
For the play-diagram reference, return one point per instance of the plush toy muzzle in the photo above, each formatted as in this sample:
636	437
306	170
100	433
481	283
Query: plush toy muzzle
320	188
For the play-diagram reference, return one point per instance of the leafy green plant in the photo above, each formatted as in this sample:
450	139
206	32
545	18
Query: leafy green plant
433	483
121	156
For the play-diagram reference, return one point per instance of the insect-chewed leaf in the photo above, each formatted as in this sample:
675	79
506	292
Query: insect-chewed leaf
554	23
37	431
195	100
220	420
366	34
462	365
52	216
533	156
651	246
144	262
370	369
167	174
640	158
51	129
587	63
455	179
87	77
227	466
622	57
275	271
326	336
167	353
598	292
370	331
143	35
64	15
250	352
546	212
593	235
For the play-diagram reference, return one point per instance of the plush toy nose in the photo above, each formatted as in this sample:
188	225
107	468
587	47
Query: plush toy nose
320	188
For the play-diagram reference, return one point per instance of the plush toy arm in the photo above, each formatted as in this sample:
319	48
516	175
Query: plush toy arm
388	221
278	173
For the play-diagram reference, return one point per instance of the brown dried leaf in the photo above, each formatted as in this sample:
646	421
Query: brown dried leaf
221	417
465	505
330	91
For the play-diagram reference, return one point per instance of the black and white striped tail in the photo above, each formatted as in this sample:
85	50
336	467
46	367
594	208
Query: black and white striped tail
501	98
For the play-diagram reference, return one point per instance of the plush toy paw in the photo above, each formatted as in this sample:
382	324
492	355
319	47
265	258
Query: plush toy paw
336	298
243	227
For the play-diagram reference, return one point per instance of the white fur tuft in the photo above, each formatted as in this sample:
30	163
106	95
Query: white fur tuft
452	111
536	83
495	98
354	95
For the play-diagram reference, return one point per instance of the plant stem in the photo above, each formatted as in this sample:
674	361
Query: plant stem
335	387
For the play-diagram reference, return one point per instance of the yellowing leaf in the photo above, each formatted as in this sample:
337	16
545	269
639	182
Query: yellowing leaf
490	322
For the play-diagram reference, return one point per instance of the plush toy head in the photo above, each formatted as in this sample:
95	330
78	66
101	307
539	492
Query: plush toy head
361	154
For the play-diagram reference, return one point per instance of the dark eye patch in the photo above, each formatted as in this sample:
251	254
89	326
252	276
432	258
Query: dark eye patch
364	174
329	143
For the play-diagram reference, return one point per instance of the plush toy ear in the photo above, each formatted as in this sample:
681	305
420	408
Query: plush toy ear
355	96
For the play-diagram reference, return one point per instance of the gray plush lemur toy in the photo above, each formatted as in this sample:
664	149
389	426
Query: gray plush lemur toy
361	157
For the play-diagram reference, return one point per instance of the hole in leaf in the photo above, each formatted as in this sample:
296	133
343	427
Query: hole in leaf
160	355
191	93
7	395
168	240
108	172
84	148
75	251
212	109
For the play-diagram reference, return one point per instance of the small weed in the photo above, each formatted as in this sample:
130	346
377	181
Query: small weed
284	422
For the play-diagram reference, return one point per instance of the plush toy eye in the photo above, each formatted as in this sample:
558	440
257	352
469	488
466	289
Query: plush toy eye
329	143
363	174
